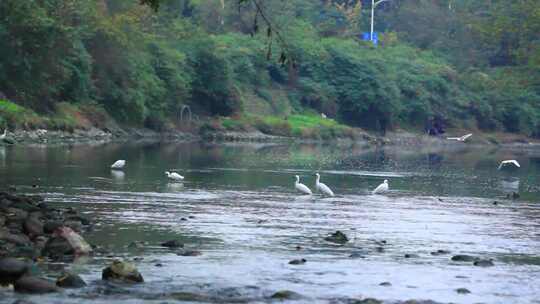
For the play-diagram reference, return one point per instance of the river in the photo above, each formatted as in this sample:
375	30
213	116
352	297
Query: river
238	207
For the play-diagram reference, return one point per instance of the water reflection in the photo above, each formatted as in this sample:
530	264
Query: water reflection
239	207
118	175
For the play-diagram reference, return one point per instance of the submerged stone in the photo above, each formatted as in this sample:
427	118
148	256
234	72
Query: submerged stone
337	237
122	271
70	280
28	284
297	261
440	252
463	291
11	270
483	263
286	295
172	244
464	258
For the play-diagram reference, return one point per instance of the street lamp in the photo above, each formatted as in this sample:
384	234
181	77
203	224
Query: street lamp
373	6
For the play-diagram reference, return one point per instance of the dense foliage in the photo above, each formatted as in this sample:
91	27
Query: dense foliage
464	63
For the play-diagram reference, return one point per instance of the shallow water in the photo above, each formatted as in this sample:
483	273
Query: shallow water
238	207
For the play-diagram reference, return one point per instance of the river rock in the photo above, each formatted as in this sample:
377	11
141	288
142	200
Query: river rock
172	244
122	271
33	226
11	270
440	252
84	220
286	295
298	261
463	291
77	242
464	258
74	225
51	226
15	215
337	237
368	301
190	253
483	263
57	247
18	239
385	284
411	256
21	301
70	280
28	284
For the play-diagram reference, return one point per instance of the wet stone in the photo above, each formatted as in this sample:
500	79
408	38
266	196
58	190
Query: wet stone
385	284
12	269
70	280
367	301
298	262
357	255
440	252
122	271
463	291
51	226
411	256
464	258
33	226
172	244
286	295
28	284
337	237
190	253
484	263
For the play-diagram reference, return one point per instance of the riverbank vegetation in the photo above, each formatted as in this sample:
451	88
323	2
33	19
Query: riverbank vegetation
459	64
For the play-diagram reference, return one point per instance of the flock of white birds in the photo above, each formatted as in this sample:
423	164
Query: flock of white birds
320	187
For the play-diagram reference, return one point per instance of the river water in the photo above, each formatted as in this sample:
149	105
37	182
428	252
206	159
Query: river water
238	207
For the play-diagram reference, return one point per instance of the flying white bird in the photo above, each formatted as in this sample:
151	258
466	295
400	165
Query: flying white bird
301	187
119	164
462	138
322	187
174	176
381	188
507	162
3	135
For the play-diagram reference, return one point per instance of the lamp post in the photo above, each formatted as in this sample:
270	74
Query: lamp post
373	6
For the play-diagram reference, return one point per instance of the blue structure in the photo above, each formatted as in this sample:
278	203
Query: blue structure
366	37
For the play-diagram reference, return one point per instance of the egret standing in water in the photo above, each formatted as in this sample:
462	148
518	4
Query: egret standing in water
381	188
119	164
508	162
301	187
322	187
3	136
174	176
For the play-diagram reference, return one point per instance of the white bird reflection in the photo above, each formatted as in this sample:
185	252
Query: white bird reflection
509	185
118	175
175	186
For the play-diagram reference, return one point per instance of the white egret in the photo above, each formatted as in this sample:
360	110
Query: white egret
119	164
508	162
381	188
3	136
323	115
301	187
174	176
462	138
322	187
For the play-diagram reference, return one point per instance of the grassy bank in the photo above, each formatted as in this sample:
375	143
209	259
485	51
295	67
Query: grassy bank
64	117
306	125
